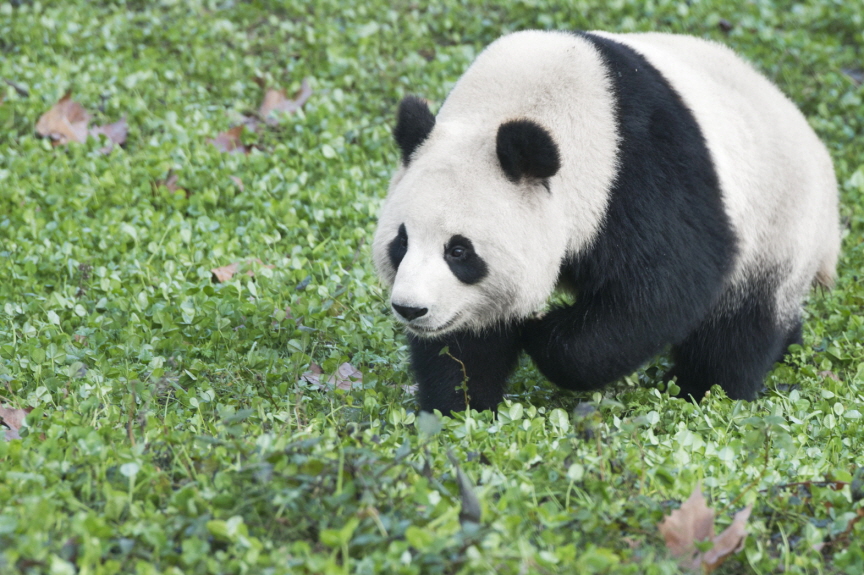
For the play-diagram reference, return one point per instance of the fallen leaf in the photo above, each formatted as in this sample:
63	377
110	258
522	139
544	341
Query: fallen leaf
729	542
693	522
171	183
116	134
344	378
278	101
238	182
65	122
225	273
829	374
230	142
13	419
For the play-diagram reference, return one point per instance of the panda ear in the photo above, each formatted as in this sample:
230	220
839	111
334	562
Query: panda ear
526	149
414	122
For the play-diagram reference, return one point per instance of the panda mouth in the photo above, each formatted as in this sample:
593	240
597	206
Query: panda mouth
433	331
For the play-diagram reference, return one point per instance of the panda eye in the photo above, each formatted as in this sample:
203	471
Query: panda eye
403	241
457	252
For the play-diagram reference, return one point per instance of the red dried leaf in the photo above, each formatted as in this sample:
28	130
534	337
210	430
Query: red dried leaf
116	134
729	542
13	419
344	378
829	375
171	183
694	522
238	182
230	141
65	122
278	101
225	273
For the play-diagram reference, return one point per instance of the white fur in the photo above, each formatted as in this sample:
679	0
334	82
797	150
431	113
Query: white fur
454	183
776	176
778	183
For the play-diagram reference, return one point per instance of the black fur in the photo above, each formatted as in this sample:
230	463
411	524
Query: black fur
526	149
414	123
654	275
398	247
736	349
469	268
489	359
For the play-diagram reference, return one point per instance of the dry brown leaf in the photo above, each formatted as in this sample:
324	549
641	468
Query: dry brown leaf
238	182
829	374
344	378
693	522
65	122
278	101
230	141
116	134
225	273
171	183
729	542
13	419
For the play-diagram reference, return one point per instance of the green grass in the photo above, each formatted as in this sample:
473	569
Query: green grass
169	432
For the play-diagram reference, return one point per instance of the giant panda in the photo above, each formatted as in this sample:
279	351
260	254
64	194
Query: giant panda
676	192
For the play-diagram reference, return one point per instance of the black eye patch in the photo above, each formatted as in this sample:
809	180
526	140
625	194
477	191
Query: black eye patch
466	265
398	247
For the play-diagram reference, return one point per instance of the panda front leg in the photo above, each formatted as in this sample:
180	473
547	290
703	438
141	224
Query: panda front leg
590	344
484	361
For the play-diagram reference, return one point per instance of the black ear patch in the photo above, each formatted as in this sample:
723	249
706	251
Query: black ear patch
526	149
414	122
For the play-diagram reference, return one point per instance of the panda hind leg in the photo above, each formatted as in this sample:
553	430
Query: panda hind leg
793	337
734	349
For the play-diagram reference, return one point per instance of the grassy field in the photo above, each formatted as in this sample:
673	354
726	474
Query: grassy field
172	430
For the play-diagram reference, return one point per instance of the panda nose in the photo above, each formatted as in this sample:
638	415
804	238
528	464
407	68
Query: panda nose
410	313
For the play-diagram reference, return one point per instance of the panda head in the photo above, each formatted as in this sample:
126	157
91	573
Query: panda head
467	236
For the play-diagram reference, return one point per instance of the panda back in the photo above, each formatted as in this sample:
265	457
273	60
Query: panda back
776	177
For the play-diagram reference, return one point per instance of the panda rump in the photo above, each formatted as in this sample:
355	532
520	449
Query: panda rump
678	194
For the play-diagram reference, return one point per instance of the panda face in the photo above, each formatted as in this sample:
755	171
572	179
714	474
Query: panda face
424	276
444	267
461	238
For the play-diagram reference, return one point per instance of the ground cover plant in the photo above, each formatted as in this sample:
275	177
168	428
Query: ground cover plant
260	419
